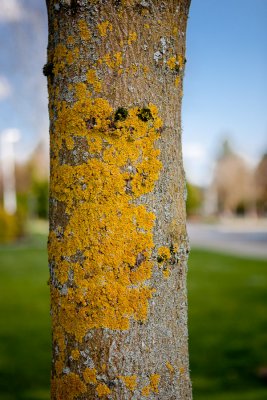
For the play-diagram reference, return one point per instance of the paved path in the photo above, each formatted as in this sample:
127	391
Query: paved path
235	237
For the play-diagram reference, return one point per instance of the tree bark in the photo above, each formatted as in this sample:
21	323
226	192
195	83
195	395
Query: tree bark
117	245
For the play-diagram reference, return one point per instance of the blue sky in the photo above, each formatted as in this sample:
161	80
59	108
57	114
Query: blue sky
225	87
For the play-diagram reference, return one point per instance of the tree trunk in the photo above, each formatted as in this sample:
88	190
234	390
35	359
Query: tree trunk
117	245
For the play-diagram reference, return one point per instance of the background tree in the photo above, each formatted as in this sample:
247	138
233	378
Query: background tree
194	200
232	182
117	245
261	185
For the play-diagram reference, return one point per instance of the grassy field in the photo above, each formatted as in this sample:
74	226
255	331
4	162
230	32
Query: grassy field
227	320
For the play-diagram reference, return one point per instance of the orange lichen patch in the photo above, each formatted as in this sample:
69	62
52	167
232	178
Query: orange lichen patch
112	60
166	273
62	273
118	58
129	381
145	391
102	390
75	354
145	70
175	30
153	385
154	382
62	57
104	367
59	365
177	81
103	254
69	387
171	62
170	367
89	375
93	80
70	40
182	370
146	26
180	60
132	37
85	33
163	254
175	62
104	27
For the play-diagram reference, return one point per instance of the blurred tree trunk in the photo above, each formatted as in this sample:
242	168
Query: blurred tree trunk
117	244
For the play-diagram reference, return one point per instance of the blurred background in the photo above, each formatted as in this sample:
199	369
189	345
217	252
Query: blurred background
225	158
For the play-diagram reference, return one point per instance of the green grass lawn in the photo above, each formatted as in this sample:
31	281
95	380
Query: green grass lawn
25	323
227	320
228	326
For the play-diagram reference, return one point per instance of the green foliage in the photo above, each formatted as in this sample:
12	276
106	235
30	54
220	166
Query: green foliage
194	199
11	226
40	194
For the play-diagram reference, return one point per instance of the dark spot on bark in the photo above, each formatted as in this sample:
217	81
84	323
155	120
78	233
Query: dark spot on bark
90	123
128	187
143	5
117	3
121	114
160	259
111	384
74	5
48	69
139	259
145	114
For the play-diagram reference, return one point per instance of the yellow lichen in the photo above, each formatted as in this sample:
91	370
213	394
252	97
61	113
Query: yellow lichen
182	370
104	27
177	81
171	62
69	387
118	58
153	385
132	37
170	367
62	57
75	354
176	62
130	381
102	390
104	367
89	375
166	273
180	60
85	33
106	246
145	70
93	80
163	254
154	382
70	40
145	391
